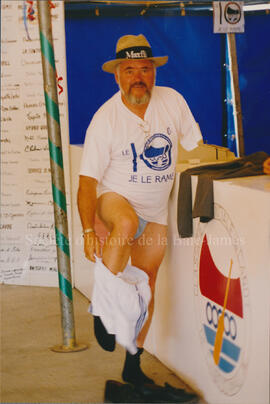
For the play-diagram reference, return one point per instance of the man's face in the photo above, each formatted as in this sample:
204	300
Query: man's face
136	79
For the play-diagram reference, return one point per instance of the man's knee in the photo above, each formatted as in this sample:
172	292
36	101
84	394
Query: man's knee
126	225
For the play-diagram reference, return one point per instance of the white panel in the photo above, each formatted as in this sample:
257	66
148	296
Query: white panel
28	251
240	230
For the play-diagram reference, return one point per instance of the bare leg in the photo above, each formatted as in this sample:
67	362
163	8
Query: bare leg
122	222
147	254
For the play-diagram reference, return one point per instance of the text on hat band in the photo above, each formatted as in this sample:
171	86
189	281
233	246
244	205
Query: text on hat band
135	52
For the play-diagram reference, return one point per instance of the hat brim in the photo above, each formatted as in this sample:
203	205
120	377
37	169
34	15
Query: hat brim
110	66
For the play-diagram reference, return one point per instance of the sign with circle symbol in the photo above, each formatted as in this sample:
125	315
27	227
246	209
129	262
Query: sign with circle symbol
232	12
228	16
222	294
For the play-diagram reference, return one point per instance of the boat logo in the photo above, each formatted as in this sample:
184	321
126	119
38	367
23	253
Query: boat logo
157	152
222	300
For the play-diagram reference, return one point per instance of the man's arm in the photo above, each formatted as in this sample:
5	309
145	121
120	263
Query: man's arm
87	202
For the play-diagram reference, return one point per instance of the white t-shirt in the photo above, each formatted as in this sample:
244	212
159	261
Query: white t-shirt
136	158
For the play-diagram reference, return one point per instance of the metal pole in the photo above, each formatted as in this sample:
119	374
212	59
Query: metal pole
233	55
58	184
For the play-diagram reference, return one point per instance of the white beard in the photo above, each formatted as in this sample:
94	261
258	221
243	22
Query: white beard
136	100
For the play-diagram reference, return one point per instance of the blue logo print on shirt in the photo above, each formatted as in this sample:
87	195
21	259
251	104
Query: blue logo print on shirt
157	152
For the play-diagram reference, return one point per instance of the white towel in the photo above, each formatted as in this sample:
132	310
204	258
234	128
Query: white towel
121	301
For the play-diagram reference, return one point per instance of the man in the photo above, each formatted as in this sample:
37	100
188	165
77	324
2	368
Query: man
128	168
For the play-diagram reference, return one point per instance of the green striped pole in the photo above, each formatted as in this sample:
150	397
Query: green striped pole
58	184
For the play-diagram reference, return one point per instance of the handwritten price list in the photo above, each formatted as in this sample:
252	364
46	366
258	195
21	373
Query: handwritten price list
28	248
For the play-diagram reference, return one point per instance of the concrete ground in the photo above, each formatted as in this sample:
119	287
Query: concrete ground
32	373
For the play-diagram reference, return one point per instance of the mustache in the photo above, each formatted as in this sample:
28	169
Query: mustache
140	83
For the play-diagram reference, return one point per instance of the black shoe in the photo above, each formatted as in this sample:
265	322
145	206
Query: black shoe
153	393
132	372
105	340
116	392
180	395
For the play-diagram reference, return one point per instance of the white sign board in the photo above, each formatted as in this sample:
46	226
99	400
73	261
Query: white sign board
228	16
27	237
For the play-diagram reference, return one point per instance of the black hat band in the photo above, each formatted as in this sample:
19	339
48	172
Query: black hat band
135	52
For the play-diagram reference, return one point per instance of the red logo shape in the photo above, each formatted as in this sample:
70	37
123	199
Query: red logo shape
213	283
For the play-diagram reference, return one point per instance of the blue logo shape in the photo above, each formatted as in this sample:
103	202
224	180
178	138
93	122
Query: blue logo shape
230	351
157	152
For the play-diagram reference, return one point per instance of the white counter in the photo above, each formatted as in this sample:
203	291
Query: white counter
185	318
191	288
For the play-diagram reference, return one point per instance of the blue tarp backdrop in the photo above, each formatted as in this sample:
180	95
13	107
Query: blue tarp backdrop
195	68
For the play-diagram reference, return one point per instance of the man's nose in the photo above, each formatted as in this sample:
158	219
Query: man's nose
138	74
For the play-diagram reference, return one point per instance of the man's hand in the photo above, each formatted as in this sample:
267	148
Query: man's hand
92	246
266	166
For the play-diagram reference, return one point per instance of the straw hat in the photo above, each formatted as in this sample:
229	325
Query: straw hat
133	47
